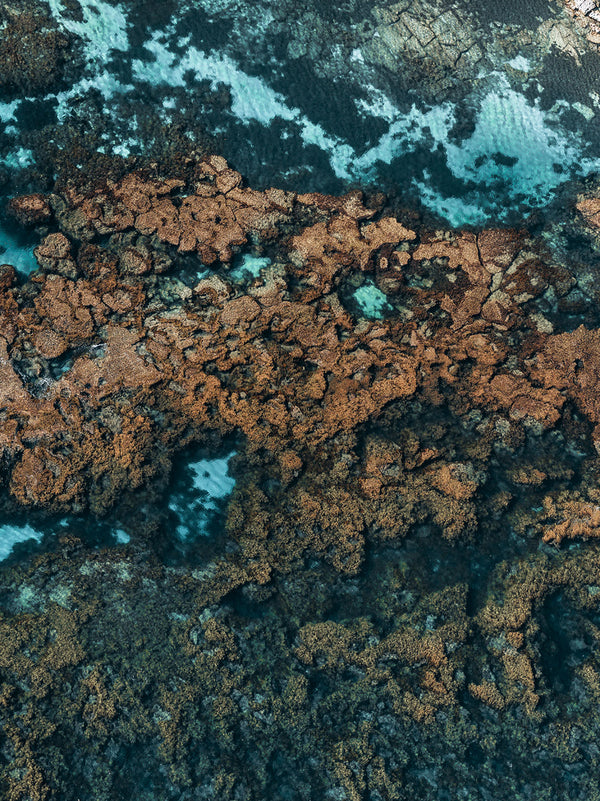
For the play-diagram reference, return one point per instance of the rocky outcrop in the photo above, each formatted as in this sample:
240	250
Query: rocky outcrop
588	13
107	332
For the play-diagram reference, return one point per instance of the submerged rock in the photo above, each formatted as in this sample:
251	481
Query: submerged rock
121	676
33	49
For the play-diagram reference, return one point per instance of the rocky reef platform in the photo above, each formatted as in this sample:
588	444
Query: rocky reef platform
404	594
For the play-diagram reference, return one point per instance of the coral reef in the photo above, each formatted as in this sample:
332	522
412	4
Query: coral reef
274	689
396	595
384	591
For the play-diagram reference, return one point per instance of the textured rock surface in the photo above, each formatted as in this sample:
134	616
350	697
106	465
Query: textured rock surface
121	676
390	559
588	13
399	597
109	330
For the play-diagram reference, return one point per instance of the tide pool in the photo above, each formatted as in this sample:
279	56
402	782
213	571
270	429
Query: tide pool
249	266
15	248
197	494
96	533
371	301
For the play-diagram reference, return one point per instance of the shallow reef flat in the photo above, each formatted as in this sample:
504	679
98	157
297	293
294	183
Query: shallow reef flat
402	593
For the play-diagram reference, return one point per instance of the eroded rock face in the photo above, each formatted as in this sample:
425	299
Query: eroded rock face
432	46
588	13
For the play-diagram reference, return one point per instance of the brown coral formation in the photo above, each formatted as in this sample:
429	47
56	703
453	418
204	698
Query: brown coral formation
30	209
115	656
110	363
466	412
207	684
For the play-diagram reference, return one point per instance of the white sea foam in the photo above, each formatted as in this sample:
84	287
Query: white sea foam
585	111
520	63
103	82
123	148
514	143
508	126
406	132
455	210
19	158
103	30
103	27
12	535
252	99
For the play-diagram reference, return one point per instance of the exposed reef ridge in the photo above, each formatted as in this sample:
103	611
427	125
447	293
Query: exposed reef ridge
385	586
116	350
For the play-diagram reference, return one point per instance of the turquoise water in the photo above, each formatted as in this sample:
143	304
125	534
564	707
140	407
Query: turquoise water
16	248
248	267
187	512
371	301
199	491
11	535
491	149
